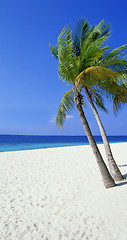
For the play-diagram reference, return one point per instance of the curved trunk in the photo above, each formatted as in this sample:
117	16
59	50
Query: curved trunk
107	179
114	170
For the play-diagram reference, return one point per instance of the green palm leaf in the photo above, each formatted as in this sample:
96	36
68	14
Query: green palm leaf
119	98
65	107
80	35
92	53
98	99
94	34
115	60
96	76
54	51
67	59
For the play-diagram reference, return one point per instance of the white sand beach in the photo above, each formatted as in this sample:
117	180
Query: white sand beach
58	194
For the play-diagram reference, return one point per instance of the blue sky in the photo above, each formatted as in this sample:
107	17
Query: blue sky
30	90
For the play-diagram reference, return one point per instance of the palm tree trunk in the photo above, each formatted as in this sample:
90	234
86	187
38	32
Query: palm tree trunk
114	170
107	179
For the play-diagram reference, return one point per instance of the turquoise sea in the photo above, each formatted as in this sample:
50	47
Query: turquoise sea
27	142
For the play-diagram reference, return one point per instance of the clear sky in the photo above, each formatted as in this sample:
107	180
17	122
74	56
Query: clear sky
30	90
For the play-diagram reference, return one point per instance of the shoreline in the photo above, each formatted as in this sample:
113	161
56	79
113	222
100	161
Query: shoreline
21	142
58	194
56	147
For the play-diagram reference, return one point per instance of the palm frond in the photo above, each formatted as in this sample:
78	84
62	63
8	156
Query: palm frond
91	54
115	93
67	59
117	65
65	107
54	51
97	76
119	98
80	35
98	99
115	60
105	29
120	51
94	34
117	104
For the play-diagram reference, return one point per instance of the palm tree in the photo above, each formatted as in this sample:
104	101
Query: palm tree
112	61
87	47
68	71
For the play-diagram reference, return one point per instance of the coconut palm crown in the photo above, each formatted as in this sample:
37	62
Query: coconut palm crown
84	61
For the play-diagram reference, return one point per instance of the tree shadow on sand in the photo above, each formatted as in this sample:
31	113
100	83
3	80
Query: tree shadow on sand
124	176
121	184
124	181
124	165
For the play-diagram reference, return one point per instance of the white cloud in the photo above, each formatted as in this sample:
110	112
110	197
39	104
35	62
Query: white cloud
69	116
53	119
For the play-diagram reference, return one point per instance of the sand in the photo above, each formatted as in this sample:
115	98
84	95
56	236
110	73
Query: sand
58	194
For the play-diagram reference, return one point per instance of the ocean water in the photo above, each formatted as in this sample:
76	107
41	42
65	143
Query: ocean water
25	142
